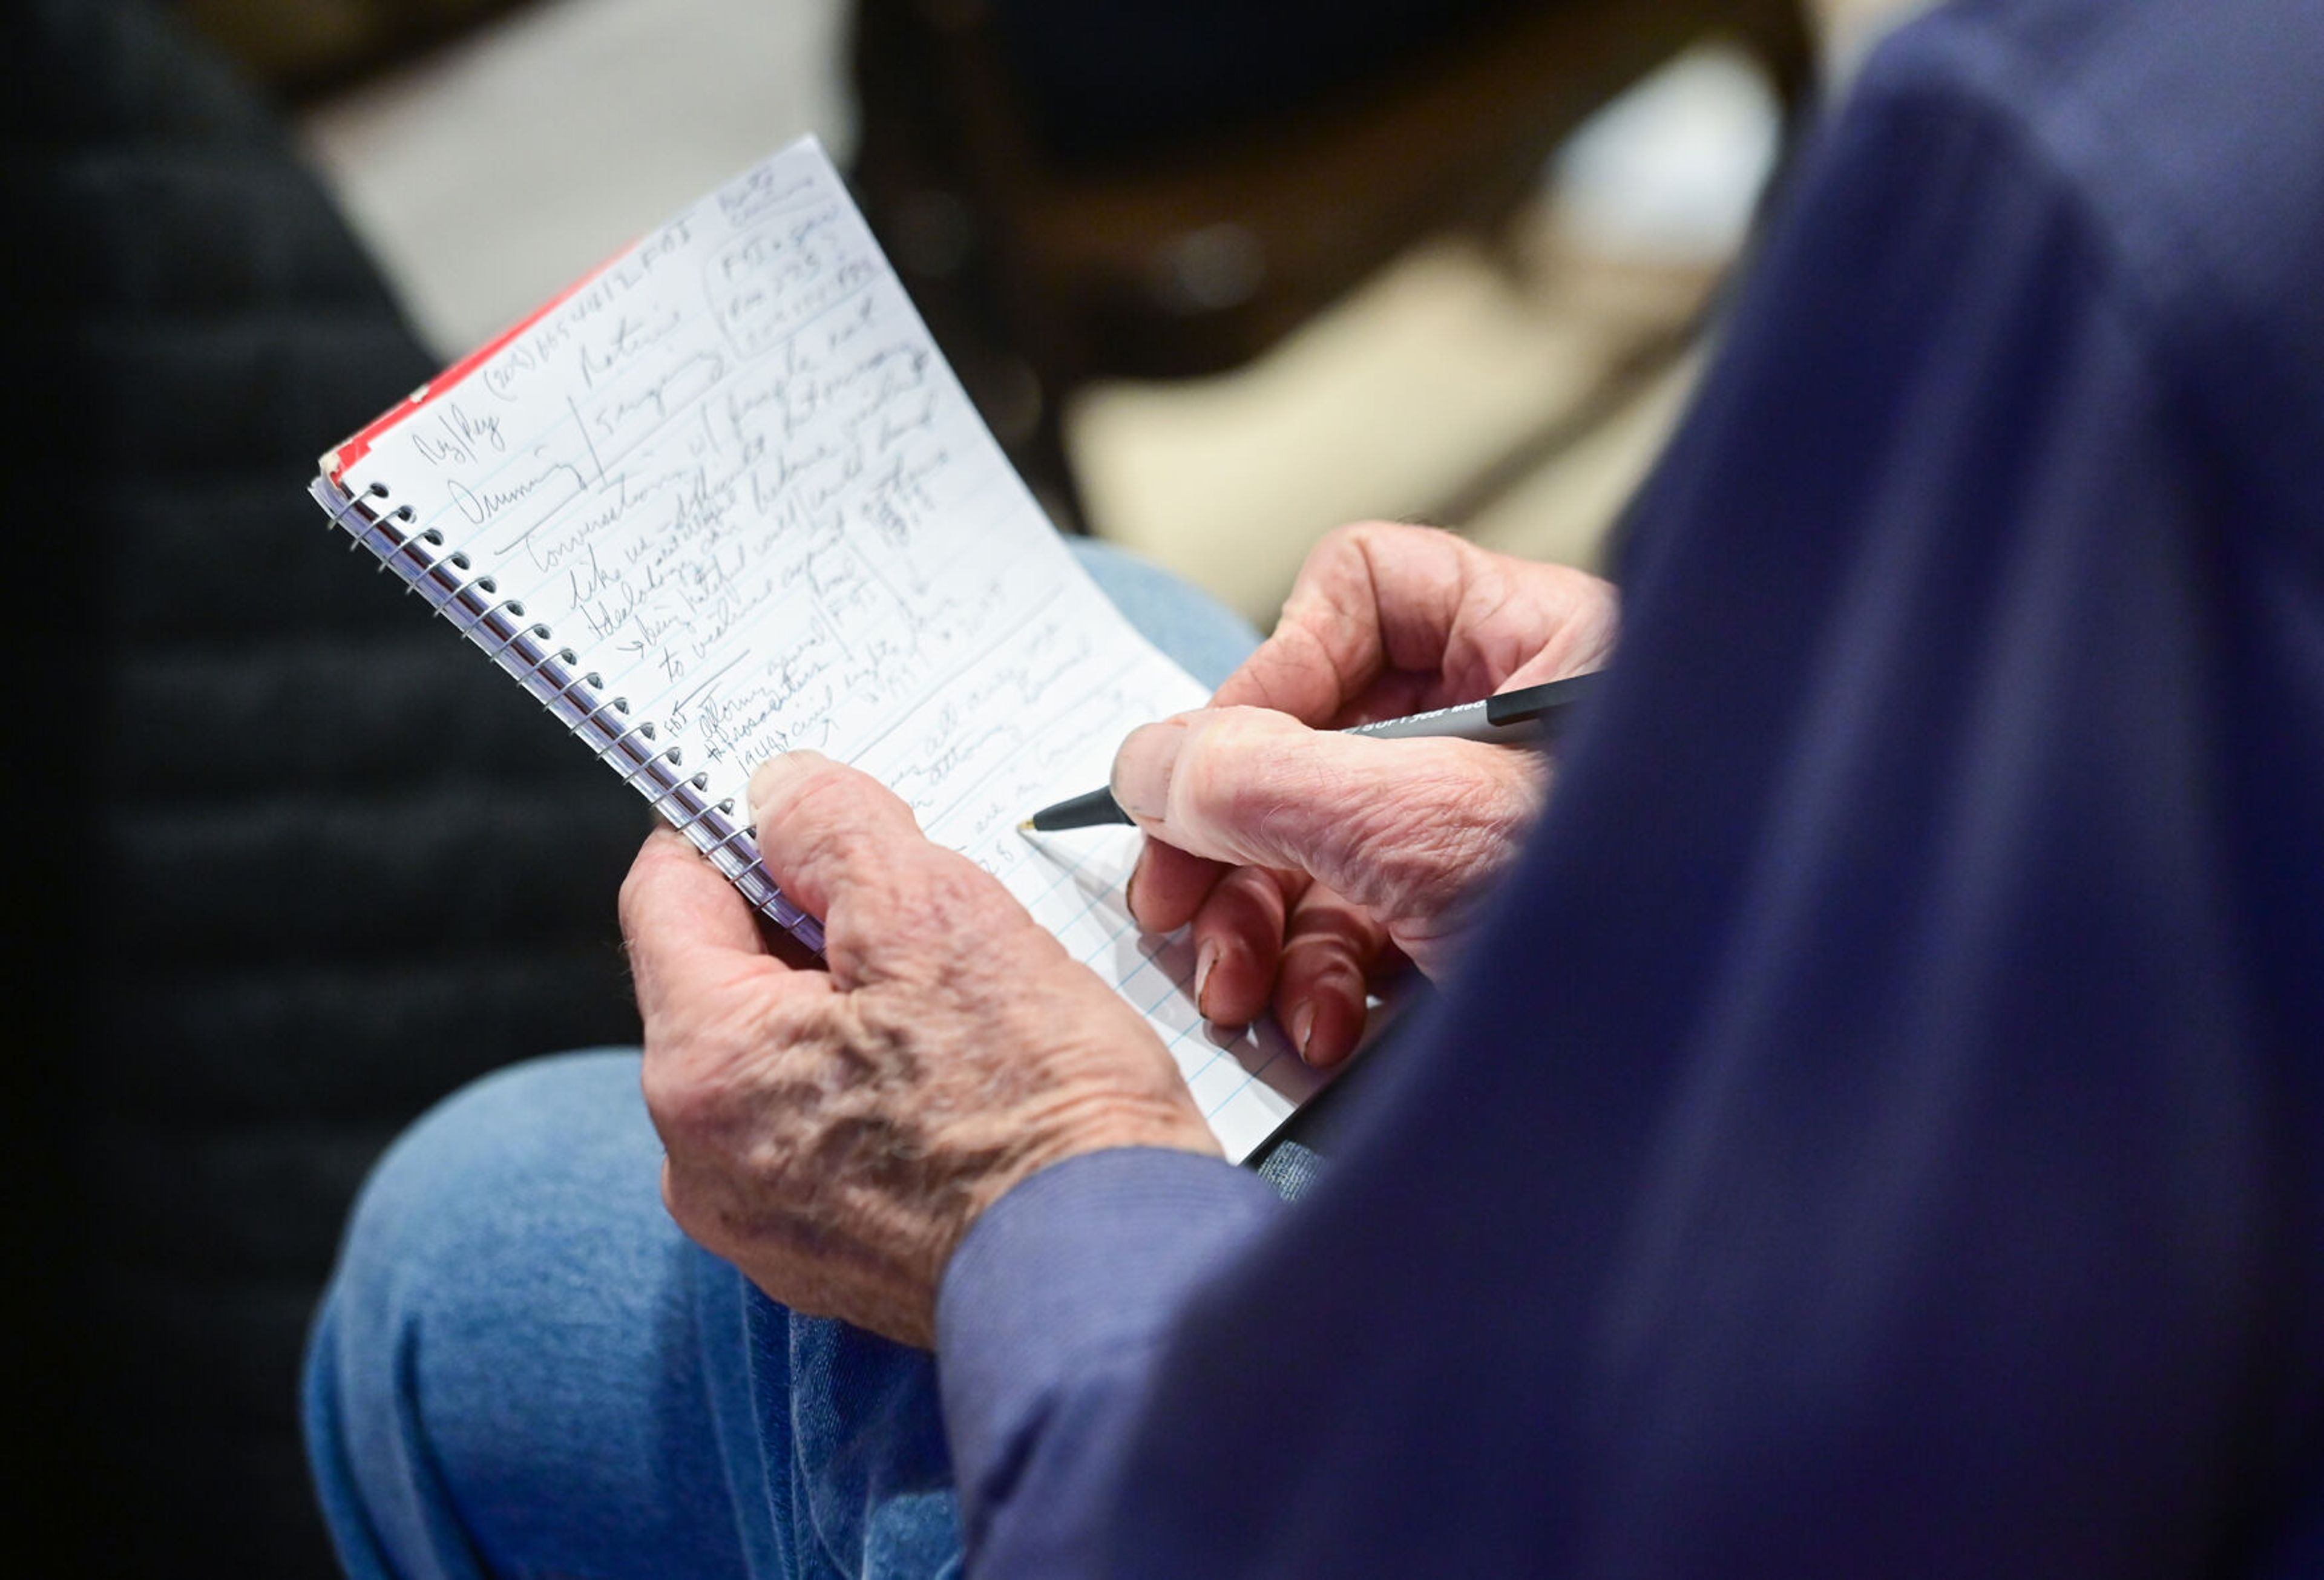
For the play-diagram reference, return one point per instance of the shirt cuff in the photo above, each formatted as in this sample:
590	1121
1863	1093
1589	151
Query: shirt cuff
1065	1281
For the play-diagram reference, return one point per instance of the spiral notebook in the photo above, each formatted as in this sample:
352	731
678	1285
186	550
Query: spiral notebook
723	497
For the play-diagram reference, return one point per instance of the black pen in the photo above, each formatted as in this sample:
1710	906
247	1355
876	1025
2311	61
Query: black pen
1517	718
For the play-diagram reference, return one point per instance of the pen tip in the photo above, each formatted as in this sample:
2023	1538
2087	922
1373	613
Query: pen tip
1027	827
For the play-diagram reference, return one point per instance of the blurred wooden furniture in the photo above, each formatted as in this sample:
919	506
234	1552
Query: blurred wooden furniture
302	50
1040	268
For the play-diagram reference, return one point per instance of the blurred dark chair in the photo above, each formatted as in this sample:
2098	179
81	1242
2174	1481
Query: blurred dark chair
1082	189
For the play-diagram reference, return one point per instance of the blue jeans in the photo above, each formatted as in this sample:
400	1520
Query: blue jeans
521	1367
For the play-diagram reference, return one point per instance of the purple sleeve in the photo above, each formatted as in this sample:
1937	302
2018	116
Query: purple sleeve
1048	1325
1876	1131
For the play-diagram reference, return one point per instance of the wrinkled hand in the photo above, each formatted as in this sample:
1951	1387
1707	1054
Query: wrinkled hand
834	1135
1308	861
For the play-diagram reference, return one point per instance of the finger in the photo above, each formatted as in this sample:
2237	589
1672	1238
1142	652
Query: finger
893	903
1328	646
1387	968
1237	939
828	830
1396	825
1544	667
1167	886
1387	618
684	924
1329	948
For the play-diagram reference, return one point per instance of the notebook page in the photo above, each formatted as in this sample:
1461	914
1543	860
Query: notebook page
732	474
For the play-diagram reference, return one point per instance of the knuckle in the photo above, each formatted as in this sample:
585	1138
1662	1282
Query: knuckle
947	899
680	1104
1203	780
1431	835
1367	539
689	1073
1358	535
684	1196
1257	791
1289	791
1335	566
1221	767
820	801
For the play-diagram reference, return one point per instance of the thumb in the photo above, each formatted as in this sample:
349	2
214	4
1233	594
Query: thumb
1407	828
840	844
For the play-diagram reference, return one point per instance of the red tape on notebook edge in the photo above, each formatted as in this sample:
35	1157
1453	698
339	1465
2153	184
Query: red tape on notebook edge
348	452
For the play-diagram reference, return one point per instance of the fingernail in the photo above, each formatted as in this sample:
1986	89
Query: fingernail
1137	879
1204	958
1303	1026
1141	768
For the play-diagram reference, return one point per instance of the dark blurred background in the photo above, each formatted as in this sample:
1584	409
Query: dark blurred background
1219	273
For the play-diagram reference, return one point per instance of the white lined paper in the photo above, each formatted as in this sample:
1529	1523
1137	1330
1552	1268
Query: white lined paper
730	472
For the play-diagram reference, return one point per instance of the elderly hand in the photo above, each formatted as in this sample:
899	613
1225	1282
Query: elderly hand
1306	859
835	1134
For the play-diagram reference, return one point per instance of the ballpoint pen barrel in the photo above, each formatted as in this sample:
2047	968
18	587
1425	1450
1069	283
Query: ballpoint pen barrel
1082	812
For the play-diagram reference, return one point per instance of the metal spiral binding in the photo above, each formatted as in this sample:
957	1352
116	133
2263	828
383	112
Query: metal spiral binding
421	560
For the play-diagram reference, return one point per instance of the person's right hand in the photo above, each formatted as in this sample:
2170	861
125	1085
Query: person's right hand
1306	859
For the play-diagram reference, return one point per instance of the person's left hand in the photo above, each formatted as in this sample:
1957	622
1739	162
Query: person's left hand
834	1135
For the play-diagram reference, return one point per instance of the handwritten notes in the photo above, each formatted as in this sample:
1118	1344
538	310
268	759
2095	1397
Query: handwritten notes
732	474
